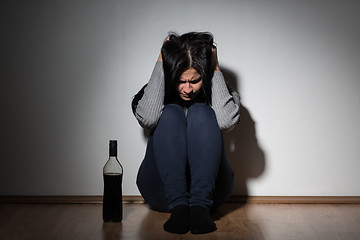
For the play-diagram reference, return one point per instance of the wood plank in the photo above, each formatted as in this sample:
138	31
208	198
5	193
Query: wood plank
233	220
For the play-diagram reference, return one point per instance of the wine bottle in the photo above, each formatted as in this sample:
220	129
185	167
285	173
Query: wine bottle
112	198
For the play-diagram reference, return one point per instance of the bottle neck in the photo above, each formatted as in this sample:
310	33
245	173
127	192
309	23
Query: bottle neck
112	152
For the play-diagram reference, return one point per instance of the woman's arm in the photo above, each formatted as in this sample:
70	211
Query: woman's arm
149	107
225	100
151	104
225	103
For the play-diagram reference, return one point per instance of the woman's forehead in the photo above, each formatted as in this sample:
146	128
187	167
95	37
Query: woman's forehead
190	74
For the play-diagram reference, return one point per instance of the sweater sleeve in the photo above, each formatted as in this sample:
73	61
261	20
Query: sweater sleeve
225	102
150	106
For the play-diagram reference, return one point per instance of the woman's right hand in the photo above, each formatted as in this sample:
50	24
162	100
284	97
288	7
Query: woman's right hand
160	55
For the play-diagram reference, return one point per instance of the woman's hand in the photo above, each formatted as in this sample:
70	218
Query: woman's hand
215	59
160	56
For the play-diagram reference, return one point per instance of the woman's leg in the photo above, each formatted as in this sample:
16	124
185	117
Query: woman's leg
162	175
205	149
170	154
152	189
163	170
149	181
166	159
207	164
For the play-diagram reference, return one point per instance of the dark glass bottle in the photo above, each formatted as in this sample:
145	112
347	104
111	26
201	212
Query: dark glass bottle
112	199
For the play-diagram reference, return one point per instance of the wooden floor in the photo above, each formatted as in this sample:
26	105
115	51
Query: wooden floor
234	221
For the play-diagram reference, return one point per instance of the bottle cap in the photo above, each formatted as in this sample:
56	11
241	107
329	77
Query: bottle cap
113	148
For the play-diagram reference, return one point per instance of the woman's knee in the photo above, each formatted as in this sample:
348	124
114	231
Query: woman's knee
200	112
201	109
172	111
173	108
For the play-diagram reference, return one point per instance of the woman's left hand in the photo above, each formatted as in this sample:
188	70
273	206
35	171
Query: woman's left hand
215	59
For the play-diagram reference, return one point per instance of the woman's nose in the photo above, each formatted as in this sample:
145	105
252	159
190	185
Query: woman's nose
187	87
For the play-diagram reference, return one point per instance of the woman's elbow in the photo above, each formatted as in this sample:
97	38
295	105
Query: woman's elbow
226	124
147	123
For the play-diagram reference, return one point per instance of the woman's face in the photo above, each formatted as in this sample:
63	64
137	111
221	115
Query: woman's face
189	84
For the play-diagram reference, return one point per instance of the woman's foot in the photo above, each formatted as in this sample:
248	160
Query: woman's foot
200	220
178	221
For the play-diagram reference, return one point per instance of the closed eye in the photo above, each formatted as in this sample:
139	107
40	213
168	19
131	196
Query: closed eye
192	81
195	81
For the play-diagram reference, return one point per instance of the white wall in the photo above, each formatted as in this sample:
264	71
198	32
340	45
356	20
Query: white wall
70	69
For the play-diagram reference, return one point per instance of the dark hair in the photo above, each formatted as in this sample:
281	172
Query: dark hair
180	53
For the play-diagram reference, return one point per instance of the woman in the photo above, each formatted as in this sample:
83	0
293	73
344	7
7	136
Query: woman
186	104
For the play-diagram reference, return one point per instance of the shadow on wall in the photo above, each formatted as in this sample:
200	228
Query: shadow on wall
242	149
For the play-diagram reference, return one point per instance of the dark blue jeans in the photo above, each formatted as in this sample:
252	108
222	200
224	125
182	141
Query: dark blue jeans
185	162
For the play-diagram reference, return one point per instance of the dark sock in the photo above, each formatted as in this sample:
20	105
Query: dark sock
179	220
200	220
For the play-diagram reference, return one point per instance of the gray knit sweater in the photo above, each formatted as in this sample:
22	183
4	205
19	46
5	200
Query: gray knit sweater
225	101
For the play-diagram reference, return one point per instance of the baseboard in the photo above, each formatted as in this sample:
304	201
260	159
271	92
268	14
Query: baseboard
233	199
296	199
64	199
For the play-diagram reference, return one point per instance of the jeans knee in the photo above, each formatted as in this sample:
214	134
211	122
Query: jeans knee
172	111
201	111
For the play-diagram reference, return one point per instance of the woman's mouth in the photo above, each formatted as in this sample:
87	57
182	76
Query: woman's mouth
188	95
